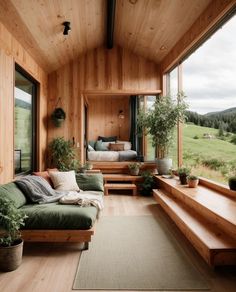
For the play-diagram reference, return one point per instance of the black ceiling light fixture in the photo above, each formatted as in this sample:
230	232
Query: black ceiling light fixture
67	27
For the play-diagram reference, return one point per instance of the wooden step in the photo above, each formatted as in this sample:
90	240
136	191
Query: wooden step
117	186
213	245
216	207
122	177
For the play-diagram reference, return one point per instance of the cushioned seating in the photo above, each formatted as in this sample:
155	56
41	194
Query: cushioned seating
50	222
57	216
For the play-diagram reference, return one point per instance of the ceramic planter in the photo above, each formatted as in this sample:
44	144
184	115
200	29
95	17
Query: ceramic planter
192	183
164	165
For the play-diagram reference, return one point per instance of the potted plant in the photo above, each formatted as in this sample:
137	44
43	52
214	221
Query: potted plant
183	172
11	244
134	168
232	182
88	165
147	184
62	154
159	122
58	116
193	181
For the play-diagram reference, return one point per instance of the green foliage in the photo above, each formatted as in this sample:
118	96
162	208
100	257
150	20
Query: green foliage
196	137
11	219
147	184
63	154
233	140
192	177
184	171
213	163
58	113
134	165
160	121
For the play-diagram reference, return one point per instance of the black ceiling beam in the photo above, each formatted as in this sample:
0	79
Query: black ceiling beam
111	11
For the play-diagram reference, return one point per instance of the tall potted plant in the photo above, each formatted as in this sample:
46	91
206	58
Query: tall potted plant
11	244
62	154
160	121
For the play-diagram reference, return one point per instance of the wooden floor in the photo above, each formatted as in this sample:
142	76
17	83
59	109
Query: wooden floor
52	267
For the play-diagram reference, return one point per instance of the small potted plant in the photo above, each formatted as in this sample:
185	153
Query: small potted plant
183	172
88	165
11	244
58	116
232	182
134	168
147	184
193	181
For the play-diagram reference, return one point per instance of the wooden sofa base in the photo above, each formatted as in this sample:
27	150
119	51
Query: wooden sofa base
80	236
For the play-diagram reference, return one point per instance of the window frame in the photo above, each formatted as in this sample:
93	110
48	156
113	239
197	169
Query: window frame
34	137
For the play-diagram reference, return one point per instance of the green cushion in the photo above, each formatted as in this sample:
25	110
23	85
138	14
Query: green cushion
90	182
12	192
56	216
99	146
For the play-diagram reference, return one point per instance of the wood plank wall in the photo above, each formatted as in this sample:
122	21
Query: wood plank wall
103	117
12	51
116	70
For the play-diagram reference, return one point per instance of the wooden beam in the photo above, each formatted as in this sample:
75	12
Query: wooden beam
111	11
214	12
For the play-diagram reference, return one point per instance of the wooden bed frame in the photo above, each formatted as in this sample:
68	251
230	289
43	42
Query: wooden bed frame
80	236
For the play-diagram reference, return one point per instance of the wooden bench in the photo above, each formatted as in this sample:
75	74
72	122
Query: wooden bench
120	186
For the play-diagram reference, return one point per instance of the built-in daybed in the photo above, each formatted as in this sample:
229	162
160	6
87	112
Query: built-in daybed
54	222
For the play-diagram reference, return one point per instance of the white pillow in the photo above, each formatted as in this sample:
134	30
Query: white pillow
90	148
127	144
64	181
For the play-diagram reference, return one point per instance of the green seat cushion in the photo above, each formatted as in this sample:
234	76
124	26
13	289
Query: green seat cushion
12	192
90	182
57	216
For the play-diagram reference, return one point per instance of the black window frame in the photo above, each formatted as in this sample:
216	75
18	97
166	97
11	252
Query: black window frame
25	74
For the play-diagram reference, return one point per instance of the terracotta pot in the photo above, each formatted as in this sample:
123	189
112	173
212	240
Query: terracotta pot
11	256
192	183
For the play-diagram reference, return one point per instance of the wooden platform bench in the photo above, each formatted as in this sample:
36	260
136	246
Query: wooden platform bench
120	186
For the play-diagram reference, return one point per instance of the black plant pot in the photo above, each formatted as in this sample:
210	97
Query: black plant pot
183	179
232	183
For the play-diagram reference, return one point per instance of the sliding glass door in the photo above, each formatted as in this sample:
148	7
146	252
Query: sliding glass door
24	132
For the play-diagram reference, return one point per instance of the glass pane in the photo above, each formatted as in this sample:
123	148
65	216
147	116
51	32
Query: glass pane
23	123
209	83
150	150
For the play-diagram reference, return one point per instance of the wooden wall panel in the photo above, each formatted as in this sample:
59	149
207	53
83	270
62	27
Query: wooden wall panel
12	51
98	71
103	117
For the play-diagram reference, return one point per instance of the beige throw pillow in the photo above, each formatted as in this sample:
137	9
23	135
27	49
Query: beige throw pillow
64	181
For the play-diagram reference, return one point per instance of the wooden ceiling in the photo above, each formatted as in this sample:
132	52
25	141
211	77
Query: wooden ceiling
149	28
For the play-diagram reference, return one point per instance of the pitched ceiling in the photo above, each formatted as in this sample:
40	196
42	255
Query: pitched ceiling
149	28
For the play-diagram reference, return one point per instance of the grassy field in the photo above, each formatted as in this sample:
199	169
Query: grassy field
211	158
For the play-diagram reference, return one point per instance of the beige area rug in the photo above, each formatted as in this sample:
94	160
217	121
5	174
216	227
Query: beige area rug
135	253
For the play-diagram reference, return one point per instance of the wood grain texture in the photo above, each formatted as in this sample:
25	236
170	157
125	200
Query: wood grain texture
51	267
99	69
148	26
11	52
39	25
210	16
103	117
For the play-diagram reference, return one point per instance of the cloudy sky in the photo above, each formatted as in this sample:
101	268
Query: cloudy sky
209	74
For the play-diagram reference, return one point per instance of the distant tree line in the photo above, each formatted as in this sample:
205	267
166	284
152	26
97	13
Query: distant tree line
222	121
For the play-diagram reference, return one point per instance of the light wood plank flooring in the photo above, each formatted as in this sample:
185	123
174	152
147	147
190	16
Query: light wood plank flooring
52	267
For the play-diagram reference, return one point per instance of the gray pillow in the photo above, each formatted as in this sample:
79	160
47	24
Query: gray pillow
92	143
99	146
90	182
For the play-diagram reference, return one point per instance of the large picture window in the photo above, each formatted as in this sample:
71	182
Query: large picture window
24	131
208	81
